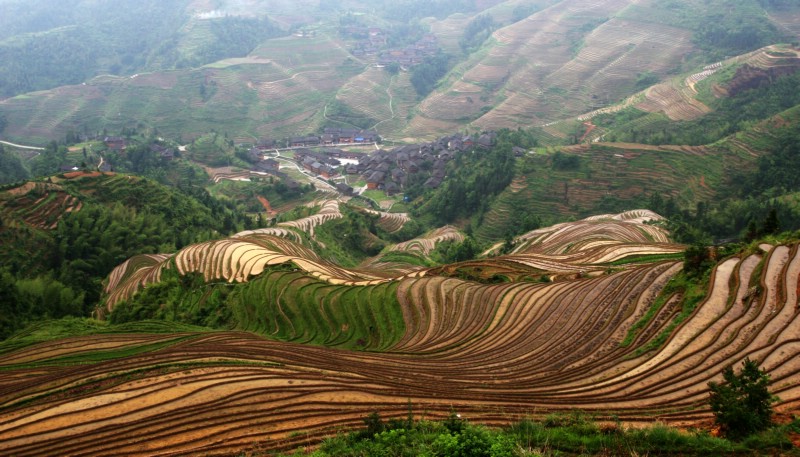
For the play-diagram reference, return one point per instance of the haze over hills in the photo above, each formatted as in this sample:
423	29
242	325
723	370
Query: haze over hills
246	230
543	61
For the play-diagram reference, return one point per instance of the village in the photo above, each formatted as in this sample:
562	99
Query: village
389	171
334	159
372	41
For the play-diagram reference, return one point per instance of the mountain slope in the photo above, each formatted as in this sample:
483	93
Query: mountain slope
563	59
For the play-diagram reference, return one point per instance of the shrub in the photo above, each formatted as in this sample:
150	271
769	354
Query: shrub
743	404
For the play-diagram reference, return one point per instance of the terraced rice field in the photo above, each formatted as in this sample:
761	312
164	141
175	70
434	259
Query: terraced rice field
558	63
39	205
493	352
391	222
427	243
277	91
329	210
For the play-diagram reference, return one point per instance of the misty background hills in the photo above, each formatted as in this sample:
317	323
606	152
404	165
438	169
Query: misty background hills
258	69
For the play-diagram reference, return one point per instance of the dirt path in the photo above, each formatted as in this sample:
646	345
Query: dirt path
34	148
391	108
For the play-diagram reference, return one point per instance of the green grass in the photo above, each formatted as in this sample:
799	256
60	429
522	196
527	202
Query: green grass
647	258
379	195
291	306
693	291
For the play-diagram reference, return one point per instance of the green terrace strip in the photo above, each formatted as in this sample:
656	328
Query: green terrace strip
293	307
647	258
49	330
99	355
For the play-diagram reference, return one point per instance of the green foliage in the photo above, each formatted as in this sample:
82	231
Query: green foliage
778	170
349	240
45	45
453	251
753	203
559	434
41	297
59	272
474	178
49	160
338	114
477	31
697	260
11	166
410	230
563	161
73	41
742	405
425	75
233	36
732	34
771	96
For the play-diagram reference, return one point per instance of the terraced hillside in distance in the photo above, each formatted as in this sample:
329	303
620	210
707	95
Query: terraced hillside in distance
546	61
687	97
608	176
588	315
555	63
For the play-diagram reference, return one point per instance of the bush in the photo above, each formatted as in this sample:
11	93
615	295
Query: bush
742	405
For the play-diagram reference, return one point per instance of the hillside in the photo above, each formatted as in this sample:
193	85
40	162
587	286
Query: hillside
544	61
60	237
616	335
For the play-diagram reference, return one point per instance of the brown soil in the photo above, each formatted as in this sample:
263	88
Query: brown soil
266	205
749	77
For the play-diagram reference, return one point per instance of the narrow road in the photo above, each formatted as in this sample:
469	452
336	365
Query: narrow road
34	148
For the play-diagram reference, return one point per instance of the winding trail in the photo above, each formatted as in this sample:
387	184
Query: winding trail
34	148
391	99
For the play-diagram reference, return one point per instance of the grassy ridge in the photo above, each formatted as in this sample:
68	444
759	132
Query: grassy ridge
290	306
282	304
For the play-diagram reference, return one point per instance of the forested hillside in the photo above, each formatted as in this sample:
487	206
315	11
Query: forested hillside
60	238
45	45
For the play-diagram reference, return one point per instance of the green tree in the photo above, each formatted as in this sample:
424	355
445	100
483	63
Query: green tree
696	259
742	405
771	224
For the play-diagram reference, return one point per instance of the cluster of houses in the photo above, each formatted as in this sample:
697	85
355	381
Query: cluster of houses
115	143
390	170
372	43
334	136
323	163
329	137
410	55
387	170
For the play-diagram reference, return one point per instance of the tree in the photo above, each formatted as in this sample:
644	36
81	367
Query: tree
742	405
771	224
696	259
